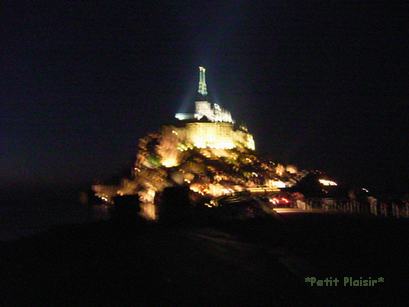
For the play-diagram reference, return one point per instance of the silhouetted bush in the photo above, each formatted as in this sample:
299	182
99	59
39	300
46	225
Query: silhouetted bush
126	209
174	205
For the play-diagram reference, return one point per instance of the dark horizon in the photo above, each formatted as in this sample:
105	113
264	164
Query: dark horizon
319	86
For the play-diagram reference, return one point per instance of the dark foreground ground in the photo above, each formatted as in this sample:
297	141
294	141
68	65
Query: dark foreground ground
252	263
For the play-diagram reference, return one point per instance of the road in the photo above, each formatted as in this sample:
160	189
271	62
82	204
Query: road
300	211
246	263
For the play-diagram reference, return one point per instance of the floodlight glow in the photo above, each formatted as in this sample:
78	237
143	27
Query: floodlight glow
327	182
183	116
277	184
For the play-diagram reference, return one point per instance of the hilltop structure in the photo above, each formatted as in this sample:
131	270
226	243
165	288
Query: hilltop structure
211	126
205	151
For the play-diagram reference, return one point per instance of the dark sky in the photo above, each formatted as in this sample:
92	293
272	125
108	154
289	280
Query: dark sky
323	85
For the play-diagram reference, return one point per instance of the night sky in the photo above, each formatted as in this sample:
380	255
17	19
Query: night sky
324	85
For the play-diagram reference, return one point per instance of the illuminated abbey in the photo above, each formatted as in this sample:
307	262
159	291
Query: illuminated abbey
210	126
205	151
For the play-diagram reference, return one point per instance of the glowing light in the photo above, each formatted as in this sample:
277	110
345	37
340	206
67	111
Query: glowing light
291	169
213	112
168	149
326	182
197	188
148	211
277	200
262	189
250	142
214	144
277	184
183	116
169	161
280	169
147	196
218	190
215	136
182	147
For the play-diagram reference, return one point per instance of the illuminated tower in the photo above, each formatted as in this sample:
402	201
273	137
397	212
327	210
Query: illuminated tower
202	81
203	108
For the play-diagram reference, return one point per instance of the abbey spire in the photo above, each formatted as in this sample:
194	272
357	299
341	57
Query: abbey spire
202	81
204	109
